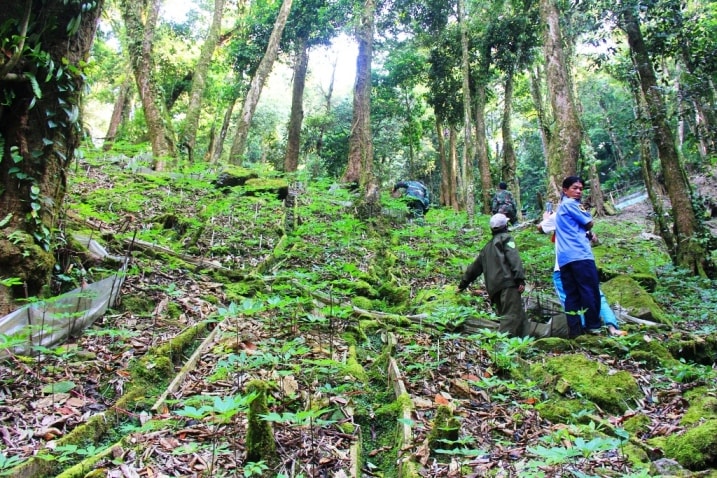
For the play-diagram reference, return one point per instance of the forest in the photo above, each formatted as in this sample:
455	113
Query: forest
203	271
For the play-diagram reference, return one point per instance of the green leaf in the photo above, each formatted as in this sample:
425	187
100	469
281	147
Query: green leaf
5	220
58	387
34	84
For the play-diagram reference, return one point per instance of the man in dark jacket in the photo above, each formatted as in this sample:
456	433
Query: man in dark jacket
503	202
500	264
418	197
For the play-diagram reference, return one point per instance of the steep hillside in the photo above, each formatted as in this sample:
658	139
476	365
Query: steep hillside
263	329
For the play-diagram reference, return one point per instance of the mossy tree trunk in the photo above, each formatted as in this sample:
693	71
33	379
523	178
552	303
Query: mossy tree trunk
566	136
482	148
199	79
257	85
469	145
140	22
40	129
690	251
296	118
359	169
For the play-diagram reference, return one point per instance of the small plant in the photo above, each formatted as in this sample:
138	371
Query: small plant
7	462
255	468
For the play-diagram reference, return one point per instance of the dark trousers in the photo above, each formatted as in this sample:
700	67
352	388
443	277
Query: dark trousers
582	293
509	307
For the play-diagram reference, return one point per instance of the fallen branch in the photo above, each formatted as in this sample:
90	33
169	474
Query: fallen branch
197	261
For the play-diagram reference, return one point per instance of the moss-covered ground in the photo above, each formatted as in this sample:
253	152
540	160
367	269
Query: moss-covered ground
308	312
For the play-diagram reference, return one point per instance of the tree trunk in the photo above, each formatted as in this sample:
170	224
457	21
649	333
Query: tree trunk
566	136
119	113
456	184
444	197
597	201
482	149
510	163
257	84
329	94
199	79
36	151
360	163
690	252
222	136
293	146
140	39
468	151
619	156
653	193
536	91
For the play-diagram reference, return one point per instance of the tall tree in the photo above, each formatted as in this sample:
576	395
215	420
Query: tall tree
140	23
119	112
314	22
566	137
690	251
468	151
199	79
257	84
512	38
40	129
359	169
444	87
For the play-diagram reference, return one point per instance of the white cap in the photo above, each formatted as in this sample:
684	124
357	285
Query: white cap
498	221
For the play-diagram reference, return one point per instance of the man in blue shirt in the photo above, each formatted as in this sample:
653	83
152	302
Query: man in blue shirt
579	274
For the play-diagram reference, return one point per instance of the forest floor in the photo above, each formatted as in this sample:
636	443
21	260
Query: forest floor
315	344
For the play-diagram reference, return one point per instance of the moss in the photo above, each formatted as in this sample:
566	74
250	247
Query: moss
354	368
696	449
629	294
394	294
256	186
561	410
158	365
238	290
137	304
613	392
260	443
445	430
553	344
701	350
362	302
173	310
652	353
355	287
637	424
703	406
27	261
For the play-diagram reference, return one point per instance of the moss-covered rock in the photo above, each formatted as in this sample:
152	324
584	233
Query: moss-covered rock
394	294
257	186
696	449
637	424
703	406
629	294
138	304
561	410
611	391
653	354
692	348
234	176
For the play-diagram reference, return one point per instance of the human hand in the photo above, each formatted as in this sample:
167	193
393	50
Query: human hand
521	288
